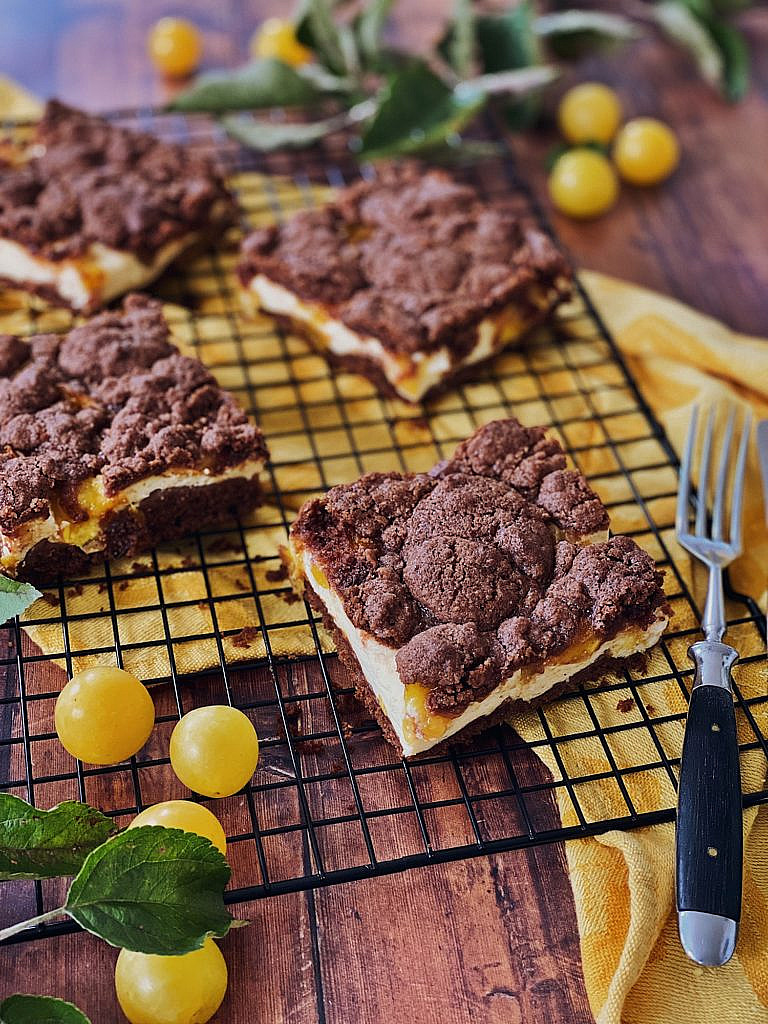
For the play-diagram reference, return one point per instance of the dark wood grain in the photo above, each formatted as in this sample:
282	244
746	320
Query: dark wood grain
490	939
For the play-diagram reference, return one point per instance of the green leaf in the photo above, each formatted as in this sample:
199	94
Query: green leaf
682	26
417	111
701	8
20	1009
719	48
368	27
266	136
735	54
262	83
15	597
316	28
457	46
48	844
574	33
153	890
507	42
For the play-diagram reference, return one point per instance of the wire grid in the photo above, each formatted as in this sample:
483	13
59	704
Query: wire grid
330	800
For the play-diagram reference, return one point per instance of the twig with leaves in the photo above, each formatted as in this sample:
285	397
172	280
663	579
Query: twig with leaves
402	103
150	889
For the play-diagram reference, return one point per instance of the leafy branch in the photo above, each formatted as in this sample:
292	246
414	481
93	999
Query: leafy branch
149	889
405	104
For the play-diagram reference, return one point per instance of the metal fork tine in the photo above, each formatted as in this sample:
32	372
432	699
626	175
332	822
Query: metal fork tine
684	487
722	478
703	486
738	484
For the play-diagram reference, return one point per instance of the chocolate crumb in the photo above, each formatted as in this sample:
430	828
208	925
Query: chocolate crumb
246	637
277	575
625	705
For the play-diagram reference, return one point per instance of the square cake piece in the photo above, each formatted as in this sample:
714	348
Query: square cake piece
412	279
487	582
112	441
94	211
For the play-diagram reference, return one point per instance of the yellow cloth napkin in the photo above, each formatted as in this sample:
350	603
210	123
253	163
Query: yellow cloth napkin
16	104
623	882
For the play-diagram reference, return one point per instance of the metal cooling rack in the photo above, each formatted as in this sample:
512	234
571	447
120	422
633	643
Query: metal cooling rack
330	801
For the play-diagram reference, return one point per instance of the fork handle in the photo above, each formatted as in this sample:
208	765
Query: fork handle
709	822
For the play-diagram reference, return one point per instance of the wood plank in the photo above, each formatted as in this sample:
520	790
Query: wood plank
494	939
491	939
697	236
271	971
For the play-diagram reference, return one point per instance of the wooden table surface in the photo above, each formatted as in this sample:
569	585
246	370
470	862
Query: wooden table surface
490	939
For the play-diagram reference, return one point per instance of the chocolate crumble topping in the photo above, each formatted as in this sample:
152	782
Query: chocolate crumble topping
480	567
114	397
413	258
93	181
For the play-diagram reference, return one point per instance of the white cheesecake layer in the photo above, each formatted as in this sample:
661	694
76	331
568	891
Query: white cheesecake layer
90	280
377	662
411	375
86	534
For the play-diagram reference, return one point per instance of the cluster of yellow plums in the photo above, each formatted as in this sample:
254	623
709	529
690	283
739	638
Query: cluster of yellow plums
105	715
584	181
175	45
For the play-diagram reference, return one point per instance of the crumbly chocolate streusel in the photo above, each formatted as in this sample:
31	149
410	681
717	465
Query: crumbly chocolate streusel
96	182
476	569
114	397
413	258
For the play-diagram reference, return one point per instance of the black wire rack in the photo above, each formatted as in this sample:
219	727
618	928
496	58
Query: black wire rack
213	620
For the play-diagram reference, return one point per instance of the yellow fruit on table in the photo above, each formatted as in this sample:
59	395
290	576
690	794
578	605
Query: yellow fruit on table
583	183
277	38
185	989
646	151
214	750
175	47
104	715
590	112
186	815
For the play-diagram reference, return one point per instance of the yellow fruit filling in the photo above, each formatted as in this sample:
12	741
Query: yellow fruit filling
95	503
319	576
419	722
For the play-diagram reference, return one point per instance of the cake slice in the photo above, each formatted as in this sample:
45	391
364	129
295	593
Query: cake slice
93	210
487	582
112	441
412	279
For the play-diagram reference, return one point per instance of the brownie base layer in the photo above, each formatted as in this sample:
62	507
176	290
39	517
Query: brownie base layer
365	695
162	516
373	372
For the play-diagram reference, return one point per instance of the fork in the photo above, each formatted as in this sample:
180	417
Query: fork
709	824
